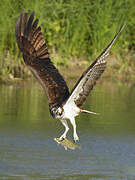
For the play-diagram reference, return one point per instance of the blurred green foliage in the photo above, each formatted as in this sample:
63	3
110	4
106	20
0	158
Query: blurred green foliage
72	28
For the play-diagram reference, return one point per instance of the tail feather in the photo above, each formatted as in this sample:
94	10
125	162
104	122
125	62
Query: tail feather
90	112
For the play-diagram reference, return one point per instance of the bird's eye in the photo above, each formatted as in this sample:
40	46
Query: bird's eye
59	113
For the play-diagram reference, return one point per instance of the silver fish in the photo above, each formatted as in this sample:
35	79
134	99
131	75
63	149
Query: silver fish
67	144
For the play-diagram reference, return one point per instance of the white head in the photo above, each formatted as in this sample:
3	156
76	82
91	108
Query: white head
57	112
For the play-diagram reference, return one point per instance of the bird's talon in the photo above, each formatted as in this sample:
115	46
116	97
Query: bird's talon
76	139
62	138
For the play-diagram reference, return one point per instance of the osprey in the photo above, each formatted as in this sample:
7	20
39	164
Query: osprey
63	104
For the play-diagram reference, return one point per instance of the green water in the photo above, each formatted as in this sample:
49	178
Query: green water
27	148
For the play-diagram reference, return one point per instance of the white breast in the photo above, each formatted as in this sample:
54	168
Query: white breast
70	110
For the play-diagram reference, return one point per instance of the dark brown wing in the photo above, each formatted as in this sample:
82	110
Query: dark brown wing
33	47
88	79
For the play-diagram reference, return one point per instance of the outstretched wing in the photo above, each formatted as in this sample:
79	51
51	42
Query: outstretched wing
33	47
88	79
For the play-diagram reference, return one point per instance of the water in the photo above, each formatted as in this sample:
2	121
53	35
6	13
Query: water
27	148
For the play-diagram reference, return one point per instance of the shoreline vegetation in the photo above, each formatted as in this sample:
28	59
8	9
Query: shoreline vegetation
76	32
114	73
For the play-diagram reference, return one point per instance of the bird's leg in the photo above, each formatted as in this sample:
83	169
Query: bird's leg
76	138
63	136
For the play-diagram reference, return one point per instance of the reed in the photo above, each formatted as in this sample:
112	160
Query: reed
77	29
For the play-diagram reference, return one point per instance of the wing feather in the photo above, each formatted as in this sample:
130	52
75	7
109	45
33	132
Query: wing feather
35	53
88	79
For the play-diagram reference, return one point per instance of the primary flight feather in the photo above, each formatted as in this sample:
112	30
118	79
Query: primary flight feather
35	54
62	104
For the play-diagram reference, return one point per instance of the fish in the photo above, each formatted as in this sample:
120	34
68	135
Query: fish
67	144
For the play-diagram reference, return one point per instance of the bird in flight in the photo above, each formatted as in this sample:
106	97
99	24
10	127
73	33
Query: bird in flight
63	105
